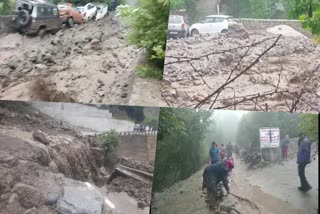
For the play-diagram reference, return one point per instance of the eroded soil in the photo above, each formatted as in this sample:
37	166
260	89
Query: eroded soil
92	63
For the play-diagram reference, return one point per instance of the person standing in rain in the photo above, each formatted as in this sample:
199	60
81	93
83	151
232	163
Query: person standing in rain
214	153
229	151
223	152
303	159
285	147
113	5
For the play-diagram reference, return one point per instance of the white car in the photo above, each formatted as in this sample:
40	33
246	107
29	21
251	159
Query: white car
89	11
102	11
212	24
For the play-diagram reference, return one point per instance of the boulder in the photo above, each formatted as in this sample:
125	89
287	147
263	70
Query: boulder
79	199
41	137
52	198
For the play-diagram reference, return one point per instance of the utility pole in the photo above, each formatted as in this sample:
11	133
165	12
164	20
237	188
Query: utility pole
218	7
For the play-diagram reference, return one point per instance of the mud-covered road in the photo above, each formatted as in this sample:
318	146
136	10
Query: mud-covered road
259	187
196	67
92	63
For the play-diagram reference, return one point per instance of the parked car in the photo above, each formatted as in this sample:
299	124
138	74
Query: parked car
177	27
102	11
212	24
36	17
70	13
89	11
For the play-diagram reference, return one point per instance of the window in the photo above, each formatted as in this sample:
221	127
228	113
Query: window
175	19
47	11
90	6
40	11
218	19
55	11
208	20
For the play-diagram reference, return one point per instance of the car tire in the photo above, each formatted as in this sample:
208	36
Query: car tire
70	22
194	32
224	31
42	33
23	18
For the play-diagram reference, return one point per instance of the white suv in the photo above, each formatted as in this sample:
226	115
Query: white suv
212	24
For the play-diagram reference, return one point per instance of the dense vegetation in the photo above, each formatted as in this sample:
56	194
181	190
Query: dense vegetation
180	145
148	22
110	141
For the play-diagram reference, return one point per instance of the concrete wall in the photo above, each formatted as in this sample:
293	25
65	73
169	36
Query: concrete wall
138	147
84	116
6	25
257	24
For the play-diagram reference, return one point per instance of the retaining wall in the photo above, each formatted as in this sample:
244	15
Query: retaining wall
259	24
138	147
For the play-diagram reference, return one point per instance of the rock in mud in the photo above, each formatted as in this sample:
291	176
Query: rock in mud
79	199
41	137
142	204
52	198
29	196
7	160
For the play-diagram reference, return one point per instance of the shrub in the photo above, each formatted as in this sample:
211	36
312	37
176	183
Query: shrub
111	140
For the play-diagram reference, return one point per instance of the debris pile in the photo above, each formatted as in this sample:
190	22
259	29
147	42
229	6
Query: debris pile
197	66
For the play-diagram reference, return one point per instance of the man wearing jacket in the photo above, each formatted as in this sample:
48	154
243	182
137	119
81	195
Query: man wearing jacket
214	174
303	159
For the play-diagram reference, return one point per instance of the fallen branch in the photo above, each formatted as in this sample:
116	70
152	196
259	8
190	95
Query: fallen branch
188	59
238	75
246	200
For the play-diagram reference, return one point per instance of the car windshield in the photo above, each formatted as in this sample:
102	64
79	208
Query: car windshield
62	6
175	19
81	9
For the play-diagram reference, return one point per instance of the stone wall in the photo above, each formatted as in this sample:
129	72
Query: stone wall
259	24
138	147
84	116
6	25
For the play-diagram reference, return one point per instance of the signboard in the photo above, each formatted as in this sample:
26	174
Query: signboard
269	137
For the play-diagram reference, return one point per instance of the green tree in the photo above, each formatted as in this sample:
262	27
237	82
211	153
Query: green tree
148	25
308	12
248	131
309	125
6	7
111	140
180	144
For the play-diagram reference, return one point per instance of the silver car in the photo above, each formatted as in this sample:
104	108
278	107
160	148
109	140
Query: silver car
178	27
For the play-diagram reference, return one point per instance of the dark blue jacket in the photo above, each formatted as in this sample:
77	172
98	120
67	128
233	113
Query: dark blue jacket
304	150
215	173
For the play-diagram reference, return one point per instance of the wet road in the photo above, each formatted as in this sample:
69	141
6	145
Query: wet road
281	181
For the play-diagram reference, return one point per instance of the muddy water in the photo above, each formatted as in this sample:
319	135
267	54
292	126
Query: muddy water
124	203
286	182
186	197
91	63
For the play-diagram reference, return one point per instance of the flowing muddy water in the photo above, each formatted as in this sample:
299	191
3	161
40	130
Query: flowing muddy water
186	197
91	63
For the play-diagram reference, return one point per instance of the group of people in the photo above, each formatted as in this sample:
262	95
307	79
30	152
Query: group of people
220	165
